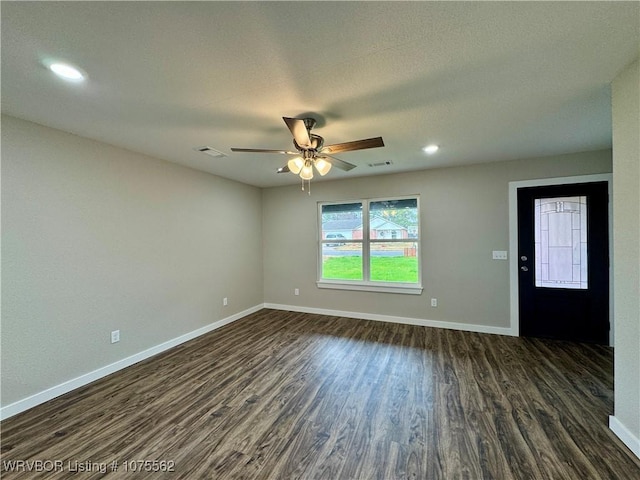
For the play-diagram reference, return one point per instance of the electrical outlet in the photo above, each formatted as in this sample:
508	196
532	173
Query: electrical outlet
296	291
225	302
115	336
434	302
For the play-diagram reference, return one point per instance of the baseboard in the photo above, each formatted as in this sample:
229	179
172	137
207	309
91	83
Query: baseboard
82	380
624	434
394	319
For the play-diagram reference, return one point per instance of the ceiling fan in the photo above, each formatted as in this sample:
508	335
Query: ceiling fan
311	151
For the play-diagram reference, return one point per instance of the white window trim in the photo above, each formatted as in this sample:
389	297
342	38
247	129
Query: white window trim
362	285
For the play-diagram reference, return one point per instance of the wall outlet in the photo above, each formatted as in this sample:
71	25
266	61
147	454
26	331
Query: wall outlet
434	302
225	302
296	291
115	336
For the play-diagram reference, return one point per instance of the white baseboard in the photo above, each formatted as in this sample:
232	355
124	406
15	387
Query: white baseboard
467	327
82	380
624	434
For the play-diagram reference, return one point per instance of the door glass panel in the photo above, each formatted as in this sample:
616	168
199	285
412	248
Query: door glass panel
560	226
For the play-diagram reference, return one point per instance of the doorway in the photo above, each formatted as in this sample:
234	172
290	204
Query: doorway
560	231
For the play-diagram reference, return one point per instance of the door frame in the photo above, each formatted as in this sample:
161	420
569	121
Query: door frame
514	302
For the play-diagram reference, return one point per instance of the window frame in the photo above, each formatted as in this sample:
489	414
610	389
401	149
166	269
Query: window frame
366	284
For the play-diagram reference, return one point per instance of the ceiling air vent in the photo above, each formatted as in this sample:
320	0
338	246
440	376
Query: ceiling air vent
212	152
381	164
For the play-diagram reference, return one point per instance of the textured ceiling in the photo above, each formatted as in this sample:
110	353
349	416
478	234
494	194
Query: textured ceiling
485	80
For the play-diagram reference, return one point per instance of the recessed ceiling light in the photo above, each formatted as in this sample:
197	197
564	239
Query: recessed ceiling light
66	71
431	149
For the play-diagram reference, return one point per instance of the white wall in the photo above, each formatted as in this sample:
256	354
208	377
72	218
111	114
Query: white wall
464	216
96	238
626	259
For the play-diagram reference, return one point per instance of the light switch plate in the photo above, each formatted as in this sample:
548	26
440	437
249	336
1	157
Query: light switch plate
499	254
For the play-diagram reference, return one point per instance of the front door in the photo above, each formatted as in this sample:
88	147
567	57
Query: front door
563	262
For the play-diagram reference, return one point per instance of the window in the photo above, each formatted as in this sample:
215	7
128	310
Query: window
370	245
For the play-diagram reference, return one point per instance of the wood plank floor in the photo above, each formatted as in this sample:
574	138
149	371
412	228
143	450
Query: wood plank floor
282	395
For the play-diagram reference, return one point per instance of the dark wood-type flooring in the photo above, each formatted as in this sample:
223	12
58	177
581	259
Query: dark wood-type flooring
282	395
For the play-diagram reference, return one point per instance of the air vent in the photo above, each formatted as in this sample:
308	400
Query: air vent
381	164
212	152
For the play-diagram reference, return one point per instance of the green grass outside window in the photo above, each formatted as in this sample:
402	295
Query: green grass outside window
383	269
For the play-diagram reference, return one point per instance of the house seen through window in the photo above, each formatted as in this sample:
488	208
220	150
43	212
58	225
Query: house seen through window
370	242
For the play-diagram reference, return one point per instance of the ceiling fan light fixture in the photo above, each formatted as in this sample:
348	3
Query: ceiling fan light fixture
295	165
307	172
322	166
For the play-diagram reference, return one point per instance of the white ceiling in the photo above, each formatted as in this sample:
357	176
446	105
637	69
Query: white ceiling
485	80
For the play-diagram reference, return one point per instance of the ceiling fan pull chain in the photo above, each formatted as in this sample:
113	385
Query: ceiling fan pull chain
302	180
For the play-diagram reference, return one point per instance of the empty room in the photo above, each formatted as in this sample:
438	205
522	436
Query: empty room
320	240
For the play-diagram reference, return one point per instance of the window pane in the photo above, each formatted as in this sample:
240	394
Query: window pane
393	219
560	226
342	261
341	222
394	262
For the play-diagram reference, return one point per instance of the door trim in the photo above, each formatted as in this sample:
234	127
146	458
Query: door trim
514	304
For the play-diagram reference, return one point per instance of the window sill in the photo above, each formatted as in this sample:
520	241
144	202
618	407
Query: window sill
369	287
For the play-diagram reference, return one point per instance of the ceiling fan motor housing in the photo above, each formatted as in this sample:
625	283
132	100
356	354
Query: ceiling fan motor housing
316	143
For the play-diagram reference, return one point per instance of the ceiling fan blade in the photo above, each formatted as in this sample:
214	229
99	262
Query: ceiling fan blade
299	131
356	145
336	162
262	150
